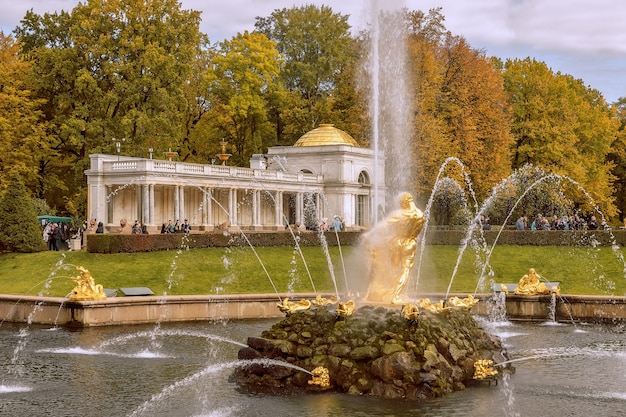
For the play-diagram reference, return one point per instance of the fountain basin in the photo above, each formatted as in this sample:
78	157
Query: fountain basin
150	309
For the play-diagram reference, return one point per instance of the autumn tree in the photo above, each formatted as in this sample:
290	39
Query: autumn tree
617	157
462	107
22	136
563	127
316	44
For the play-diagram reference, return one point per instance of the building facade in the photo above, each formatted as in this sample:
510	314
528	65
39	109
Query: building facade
325	174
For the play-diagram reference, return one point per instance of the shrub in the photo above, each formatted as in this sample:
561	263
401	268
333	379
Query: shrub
19	229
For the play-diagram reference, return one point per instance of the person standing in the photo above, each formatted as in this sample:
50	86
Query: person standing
53	237
136	230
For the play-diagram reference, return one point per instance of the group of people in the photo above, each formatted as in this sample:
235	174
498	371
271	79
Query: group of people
54	234
177	227
139	229
336	225
574	222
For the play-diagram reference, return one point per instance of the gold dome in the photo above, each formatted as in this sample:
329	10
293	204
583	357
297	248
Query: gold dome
326	134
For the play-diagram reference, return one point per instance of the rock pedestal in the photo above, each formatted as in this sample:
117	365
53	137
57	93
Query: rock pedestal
376	351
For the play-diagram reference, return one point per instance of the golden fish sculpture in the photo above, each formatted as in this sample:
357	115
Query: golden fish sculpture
483	369
321	377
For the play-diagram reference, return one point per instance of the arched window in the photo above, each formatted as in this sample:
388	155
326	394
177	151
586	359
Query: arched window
362	200
364	179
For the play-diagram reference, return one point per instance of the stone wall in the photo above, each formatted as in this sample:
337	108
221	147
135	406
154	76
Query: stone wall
152	309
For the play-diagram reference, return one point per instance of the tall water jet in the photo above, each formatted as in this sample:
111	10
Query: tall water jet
389	98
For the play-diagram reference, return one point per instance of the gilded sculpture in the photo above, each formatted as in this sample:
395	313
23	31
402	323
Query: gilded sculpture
345	309
438	307
321	377
467	302
391	247
320	301
483	369
531	285
290	307
86	289
410	312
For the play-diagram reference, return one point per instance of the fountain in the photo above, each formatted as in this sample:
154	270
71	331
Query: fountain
223	156
122	370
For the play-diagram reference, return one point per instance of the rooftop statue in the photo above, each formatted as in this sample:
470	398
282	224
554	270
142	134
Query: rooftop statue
391	249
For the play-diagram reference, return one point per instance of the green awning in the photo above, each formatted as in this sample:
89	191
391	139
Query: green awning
55	219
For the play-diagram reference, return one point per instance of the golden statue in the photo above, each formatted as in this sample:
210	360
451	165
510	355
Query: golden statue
467	302
483	369
432	307
530	285
86	289
391	248
410	312
321	301
290	307
321	377
345	309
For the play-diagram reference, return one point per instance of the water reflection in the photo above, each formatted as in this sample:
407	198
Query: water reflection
183	370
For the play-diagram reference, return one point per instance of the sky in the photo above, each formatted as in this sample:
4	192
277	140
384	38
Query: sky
582	38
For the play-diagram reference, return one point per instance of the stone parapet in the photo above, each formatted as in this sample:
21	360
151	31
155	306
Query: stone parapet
152	309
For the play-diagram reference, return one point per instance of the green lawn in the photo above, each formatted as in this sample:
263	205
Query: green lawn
597	271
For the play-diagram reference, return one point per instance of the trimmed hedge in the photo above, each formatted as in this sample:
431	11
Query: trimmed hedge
533	237
117	243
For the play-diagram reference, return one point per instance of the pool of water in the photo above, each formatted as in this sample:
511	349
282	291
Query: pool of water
183	370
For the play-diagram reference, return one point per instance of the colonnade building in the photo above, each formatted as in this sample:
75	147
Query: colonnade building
323	175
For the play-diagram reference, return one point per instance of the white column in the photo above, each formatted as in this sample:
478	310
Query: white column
208	207
176	203
108	219
151	204
278	208
256	208
300	208
145	204
232	206
319	212
181	215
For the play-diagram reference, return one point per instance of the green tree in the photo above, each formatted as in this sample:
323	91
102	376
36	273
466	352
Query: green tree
109	69
316	44
563	127
244	80
19	229
196	144
22	135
